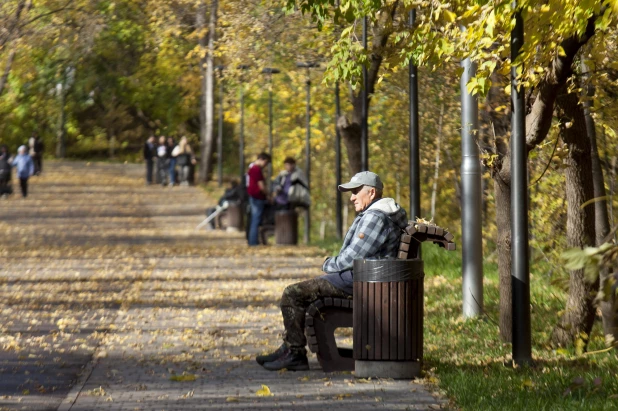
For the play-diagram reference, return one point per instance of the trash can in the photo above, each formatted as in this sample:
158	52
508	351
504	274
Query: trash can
286	227
235	216
388	318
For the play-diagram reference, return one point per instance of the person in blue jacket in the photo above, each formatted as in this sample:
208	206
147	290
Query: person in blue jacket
25	168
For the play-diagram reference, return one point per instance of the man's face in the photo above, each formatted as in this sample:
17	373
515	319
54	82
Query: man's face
362	197
289	167
161	140
151	139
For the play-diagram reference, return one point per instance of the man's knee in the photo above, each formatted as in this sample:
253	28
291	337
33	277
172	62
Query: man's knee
295	294
290	295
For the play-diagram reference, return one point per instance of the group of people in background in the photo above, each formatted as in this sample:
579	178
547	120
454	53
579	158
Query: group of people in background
167	157
27	162
289	190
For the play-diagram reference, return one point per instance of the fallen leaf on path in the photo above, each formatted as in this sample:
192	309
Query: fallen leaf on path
264	391
183	378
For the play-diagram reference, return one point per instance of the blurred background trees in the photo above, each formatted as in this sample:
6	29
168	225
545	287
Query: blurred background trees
95	78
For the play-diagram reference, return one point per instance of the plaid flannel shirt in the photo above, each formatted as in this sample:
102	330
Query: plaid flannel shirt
373	234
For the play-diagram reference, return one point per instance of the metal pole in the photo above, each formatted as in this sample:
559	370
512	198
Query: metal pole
414	153
339	216
241	149
307	235
520	270
220	134
364	96
471	204
270	71
270	130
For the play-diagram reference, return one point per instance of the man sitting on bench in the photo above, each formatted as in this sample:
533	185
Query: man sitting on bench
375	233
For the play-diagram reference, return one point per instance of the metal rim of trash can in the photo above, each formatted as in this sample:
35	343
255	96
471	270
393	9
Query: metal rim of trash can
387	270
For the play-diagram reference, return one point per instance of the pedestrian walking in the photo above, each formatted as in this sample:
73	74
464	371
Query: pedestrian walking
256	188
150	153
171	145
163	161
184	159
36	148
5	171
25	168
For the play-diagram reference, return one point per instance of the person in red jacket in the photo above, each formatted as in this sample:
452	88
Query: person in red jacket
256	188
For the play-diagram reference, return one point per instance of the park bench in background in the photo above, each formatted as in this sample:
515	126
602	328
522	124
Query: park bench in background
325	315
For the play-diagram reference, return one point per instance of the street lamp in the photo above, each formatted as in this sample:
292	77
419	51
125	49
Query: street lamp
308	66
364	108
520	266
414	153
339	217
270	71
241	149
220	131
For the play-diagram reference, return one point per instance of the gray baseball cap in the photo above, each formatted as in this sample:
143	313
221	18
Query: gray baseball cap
364	178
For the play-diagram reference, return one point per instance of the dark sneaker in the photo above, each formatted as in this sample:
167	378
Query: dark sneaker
290	361
262	359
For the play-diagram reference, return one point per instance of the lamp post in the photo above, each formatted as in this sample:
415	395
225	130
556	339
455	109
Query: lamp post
339	217
270	72
364	108
241	148
308	66
520	270
220	130
471	199
414	153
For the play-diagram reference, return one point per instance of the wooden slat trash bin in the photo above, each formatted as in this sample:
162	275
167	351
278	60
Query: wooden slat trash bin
234	214
388	318
286	227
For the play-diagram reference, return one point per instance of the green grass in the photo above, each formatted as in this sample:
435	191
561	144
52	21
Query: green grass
466	358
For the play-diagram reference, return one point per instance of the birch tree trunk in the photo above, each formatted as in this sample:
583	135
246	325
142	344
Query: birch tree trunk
207	47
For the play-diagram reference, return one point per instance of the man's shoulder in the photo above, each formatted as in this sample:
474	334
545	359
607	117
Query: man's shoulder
255	169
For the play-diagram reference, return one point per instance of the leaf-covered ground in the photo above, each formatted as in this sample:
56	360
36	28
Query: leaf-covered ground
110	300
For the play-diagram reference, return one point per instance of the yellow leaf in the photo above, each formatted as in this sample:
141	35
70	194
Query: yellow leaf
182	378
231	399
264	391
450	16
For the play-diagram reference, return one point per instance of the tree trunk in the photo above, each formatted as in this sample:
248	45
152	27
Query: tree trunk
7	32
451	162
350	128
502	191
538	123
7	70
578	318
607	295
61	131
207	47
436	174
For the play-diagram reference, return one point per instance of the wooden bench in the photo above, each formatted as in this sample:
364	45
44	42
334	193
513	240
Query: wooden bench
325	315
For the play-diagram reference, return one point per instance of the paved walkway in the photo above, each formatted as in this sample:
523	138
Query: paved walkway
110	300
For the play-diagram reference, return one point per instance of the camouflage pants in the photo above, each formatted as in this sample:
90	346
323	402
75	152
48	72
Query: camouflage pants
294	302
